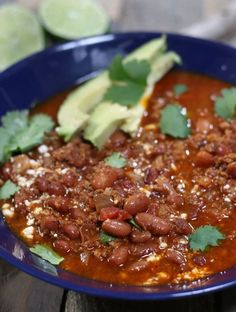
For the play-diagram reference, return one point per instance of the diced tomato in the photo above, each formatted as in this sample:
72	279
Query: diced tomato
113	213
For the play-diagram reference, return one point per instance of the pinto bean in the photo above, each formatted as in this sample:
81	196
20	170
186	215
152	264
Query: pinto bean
47	185
140	237
116	228
69	179
222	150
150	175
231	170
155	225
105	177
204	159
42	184
78	213
102	201
143	249
118	138
119	255
56	188
6	171
176	199
49	223
203	125
199	260
136	203
138	265
62	246
60	204
182	226
20	164
71	230
175	257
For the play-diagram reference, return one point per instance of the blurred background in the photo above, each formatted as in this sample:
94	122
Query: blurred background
204	18
211	19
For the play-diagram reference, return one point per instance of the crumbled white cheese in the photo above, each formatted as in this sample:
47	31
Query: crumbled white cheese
147	192
28	232
7	210
163	245
153	258
43	149
30	220
38	210
181	187
227	199
184	215
23	182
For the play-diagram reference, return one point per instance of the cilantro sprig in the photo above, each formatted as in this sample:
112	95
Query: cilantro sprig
8	189
135	224
47	253
179	89
173	122
20	133
225	104
129	80
205	236
116	160
105	238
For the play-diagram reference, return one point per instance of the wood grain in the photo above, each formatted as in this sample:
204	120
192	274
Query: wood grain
20	292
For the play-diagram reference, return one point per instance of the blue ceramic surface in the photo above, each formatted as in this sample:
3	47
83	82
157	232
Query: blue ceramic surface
51	71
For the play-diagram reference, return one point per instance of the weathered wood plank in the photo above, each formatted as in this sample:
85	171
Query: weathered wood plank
20	292
82	303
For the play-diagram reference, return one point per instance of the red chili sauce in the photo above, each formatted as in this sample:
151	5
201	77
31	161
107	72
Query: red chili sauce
169	186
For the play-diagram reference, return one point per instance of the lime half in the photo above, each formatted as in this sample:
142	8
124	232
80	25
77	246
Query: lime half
20	34
72	19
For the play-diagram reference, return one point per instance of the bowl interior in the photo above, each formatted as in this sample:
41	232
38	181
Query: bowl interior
46	73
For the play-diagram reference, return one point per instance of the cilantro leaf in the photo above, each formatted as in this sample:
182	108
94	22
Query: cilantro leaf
129	80
33	135
226	103
105	238
116	160
135	224
47	253
128	94
205	236
179	89
116	69
14	121
8	189
19	133
173	122
5	138
138	71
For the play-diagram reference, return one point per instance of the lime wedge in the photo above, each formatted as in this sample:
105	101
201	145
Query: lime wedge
20	34
72	19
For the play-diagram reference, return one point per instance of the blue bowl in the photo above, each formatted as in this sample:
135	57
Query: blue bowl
51	71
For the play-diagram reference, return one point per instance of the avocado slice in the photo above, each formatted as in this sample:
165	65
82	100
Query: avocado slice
72	115
84	98
103	121
159	68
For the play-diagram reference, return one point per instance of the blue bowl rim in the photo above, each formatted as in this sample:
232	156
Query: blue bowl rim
112	292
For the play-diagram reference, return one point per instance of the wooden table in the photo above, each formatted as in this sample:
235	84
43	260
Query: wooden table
20	292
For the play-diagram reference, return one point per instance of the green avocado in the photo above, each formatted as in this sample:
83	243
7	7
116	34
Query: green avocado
159	67
74	111
103	121
72	115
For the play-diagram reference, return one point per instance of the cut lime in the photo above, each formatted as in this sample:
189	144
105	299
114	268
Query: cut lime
20	34
72	19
